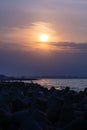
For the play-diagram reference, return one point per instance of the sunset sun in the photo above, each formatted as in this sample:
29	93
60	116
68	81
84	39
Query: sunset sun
44	38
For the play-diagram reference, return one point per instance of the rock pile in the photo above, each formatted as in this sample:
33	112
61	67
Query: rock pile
29	106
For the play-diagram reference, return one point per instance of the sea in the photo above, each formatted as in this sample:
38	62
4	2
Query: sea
74	84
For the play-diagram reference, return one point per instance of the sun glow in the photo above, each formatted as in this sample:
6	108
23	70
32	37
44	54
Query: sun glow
44	38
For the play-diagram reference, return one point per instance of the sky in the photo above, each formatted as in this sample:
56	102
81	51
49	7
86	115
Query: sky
23	22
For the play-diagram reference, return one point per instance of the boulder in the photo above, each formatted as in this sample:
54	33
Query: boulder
54	109
42	119
30	124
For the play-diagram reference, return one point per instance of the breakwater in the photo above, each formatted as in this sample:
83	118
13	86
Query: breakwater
29	106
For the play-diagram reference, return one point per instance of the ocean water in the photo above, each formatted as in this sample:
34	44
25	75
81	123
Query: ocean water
74	84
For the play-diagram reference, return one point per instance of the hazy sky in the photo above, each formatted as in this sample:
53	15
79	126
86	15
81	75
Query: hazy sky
22	22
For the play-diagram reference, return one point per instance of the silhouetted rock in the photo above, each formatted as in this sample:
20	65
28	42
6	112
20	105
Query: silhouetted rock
42	119
77	125
54	108
33	107
30	124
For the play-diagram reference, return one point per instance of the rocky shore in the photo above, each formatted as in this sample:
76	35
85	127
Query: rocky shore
29	106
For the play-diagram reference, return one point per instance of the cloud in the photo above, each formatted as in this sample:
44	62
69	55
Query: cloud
68	17
70	47
52	47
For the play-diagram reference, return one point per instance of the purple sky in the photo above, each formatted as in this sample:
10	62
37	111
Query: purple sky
21	24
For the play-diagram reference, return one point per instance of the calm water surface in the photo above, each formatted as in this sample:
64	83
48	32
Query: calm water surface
74	84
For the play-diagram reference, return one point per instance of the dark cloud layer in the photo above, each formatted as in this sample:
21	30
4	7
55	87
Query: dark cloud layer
79	47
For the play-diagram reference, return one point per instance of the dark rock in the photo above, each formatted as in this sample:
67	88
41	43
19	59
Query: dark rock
67	114
77	125
21	116
67	89
54	109
18	105
42	119
30	124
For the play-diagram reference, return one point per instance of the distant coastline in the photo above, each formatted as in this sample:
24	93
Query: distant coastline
21	78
